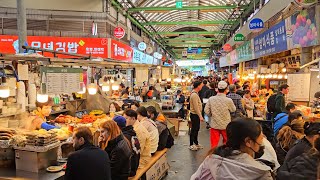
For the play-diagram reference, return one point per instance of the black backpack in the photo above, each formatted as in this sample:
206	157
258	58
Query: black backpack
271	103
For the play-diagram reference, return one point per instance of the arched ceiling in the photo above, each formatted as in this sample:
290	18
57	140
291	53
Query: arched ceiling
199	23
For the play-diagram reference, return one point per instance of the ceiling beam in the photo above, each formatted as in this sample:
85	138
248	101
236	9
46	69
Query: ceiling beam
218	22
190	39
185	8
191	32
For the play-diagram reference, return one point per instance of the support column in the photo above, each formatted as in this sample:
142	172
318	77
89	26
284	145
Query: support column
22	23
306	55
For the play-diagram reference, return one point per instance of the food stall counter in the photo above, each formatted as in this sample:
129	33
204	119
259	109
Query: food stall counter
13	174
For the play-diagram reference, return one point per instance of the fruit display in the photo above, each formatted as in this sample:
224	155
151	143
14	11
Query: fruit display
304	29
62	133
88	118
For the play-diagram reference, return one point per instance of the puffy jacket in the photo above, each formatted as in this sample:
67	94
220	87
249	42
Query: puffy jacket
131	135
163	135
238	167
120	153
280	120
302	146
303	167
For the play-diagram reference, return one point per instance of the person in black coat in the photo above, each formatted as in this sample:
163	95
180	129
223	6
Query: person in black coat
203	90
303	167
211	91
117	146
131	135
88	161
312	131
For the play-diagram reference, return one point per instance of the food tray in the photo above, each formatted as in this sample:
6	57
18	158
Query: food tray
38	148
4	144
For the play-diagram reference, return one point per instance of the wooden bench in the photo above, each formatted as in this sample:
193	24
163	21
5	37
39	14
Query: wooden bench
157	168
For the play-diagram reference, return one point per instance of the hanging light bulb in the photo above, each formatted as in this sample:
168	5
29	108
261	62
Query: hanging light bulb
105	87
92	89
274	76
254	72
284	70
280	76
4	91
286	76
183	80
269	76
115	87
258	76
169	80
112	81
262	76
42	98
83	90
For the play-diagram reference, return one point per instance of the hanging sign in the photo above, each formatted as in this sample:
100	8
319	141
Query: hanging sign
179	4
149	50
256	24
239	38
119	32
227	48
142	46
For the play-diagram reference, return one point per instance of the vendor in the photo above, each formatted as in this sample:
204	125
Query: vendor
38	118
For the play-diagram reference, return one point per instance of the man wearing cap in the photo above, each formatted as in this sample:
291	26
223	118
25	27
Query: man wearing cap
219	108
195	116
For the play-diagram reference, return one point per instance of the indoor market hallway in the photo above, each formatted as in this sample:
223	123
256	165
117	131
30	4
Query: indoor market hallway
182	161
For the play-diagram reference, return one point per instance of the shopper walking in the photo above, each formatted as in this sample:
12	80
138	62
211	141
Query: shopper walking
203	89
88	161
118	148
142	134
150	126
237	101
235	160
248	103
280	104
131	136
218	109
195	116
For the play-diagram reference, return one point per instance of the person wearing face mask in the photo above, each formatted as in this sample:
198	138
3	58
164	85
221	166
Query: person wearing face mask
118	148
235	160
88	161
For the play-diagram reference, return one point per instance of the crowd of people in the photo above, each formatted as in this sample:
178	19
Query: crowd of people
126	144
291	151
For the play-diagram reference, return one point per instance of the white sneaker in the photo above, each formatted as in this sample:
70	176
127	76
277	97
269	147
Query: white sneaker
199	146
193	148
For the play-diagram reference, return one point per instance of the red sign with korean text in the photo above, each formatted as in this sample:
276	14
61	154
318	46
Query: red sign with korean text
119	32
97	47
120	51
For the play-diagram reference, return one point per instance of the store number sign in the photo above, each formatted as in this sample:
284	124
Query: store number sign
256	24
55	80
119	32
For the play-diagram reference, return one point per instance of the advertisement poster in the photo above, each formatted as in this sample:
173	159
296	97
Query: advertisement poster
120	51
302	29
271	41
97	47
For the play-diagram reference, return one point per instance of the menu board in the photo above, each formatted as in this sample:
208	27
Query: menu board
56	80
299	87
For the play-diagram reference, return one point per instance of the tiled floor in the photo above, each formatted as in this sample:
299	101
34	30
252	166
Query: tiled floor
183	162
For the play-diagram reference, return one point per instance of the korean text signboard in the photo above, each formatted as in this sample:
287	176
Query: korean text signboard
84	46
271	41
119	32
55	80
244	52
256	24
120	51
239	38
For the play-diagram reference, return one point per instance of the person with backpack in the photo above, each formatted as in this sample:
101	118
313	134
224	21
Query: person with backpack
282	118
195	105
131	135
276	103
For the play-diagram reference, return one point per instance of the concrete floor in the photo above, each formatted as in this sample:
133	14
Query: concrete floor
183	162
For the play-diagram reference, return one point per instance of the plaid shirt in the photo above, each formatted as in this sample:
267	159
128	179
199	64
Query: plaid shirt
236	98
